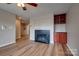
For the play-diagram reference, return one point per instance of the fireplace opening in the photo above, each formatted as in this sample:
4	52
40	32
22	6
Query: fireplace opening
42	36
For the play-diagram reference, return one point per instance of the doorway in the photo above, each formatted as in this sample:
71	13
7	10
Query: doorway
22	29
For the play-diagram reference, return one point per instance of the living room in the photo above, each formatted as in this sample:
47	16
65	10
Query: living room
40	28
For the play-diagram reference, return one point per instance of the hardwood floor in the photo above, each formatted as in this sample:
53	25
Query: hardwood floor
30	48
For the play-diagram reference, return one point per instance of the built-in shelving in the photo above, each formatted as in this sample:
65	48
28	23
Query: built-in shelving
60	34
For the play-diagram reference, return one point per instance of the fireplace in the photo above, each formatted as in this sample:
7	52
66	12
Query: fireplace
42	36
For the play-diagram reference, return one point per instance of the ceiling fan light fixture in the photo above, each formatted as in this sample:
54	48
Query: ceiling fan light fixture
24	8
20	5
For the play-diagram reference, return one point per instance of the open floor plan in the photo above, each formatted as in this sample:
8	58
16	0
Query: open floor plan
39	29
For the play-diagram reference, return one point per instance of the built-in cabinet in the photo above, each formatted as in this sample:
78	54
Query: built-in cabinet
60	34
60	19
60	37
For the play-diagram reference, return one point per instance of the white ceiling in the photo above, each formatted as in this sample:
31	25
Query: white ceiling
42	8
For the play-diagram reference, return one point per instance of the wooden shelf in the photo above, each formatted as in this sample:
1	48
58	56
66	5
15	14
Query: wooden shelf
60	19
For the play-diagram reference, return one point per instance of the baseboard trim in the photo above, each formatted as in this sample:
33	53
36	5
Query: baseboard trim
7	44
71	50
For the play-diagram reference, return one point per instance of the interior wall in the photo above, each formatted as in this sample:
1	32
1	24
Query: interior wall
42	22
60	27
7	28
28	29
73	28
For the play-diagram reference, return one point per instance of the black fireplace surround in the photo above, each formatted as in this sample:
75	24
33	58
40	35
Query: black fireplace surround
42	36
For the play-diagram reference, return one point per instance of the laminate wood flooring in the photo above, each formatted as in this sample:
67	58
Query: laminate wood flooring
30	48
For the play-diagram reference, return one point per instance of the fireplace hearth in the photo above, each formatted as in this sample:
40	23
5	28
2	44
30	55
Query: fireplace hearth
42	36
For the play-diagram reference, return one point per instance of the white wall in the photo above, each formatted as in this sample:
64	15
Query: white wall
60	27
43	22
73	28
7	23
28	29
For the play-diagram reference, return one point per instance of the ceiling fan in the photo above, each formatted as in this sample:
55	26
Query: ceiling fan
23	5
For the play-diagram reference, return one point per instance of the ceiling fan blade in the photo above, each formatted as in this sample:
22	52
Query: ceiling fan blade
24	8
33	4
8	3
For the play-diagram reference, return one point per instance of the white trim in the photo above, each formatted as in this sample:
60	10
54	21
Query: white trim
73	52
7	44
51	42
